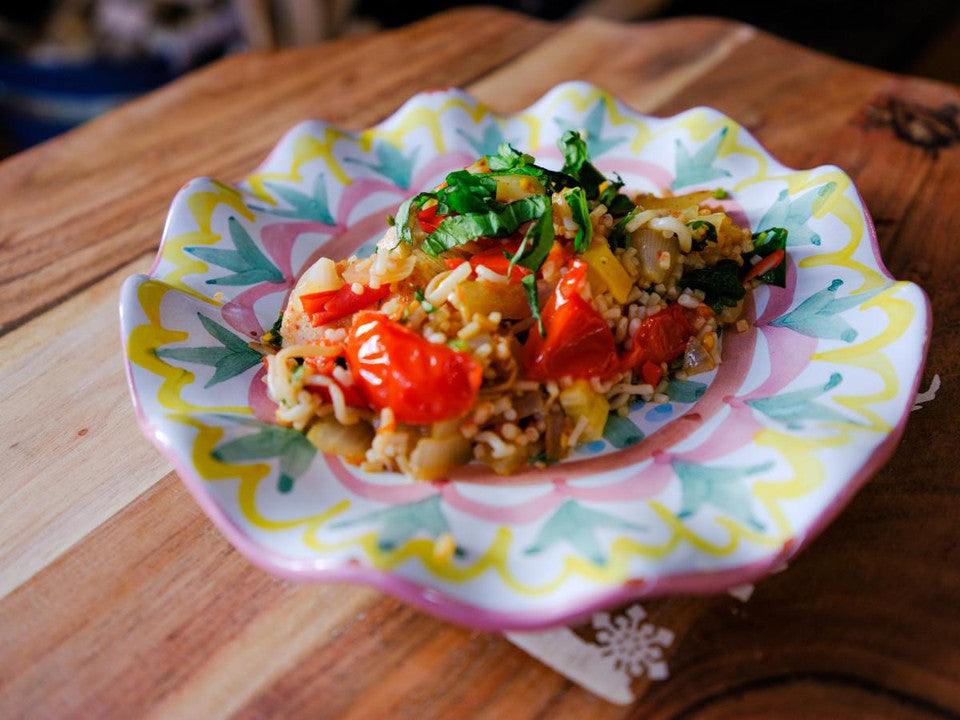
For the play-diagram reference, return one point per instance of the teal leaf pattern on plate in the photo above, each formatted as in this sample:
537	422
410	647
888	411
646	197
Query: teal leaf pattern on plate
725	488
489	141
793	214
294	451
232	357
400	523
577	526
314	207
818	315
698	168
794	407
685	391
249	265
391	162
592	129
621	432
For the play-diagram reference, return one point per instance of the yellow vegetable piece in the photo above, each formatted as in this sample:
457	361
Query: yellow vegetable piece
517	187
605	271
485	297
581	400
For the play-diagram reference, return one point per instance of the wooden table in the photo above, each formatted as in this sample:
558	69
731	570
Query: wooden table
120	600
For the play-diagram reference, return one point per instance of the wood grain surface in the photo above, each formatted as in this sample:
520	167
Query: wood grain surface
118	599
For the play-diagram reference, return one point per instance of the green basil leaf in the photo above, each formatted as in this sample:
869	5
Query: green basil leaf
536	244
428	307
703	232
720	282
461	229
272	337
577	200
533	298
466	192
402	219
766	242
508	158
618	234
577	164
616	202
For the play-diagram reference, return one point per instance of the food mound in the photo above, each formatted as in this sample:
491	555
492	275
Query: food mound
506	314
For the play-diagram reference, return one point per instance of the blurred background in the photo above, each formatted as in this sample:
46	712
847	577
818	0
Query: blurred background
62	62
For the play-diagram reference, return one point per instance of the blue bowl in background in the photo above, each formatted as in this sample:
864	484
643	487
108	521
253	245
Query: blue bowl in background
41	99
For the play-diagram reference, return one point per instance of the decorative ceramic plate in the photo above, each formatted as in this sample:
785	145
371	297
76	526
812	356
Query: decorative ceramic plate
718	487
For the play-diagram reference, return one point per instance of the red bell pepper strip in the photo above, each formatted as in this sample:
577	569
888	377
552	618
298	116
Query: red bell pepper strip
768	263
328	307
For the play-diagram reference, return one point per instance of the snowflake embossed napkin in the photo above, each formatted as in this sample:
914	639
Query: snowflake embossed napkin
617	655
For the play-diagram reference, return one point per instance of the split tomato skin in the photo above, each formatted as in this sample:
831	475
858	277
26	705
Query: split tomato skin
578	343
394	367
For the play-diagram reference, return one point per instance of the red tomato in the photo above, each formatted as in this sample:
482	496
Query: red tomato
495	261
578	341
325	366
327	307
651	372
429	220
422	382
660	338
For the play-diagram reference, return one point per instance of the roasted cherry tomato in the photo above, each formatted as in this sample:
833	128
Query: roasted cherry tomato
422	382
328	307
324	366
660	338
578	341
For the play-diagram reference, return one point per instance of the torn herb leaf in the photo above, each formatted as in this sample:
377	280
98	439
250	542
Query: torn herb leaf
466	192
428	307
536	244
703	233
577	200
721	283
617	203
577	164
533	298
458	230
766	242
402	219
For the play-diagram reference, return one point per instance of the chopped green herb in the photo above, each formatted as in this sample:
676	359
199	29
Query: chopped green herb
765	243
541	457
720	282
577	200
703	232
428	307
536	244
466	193
402	220
533	298
272	337
577	163
458	344
510	161
618	235
391	220
296	377
617	203
720	194
460	229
